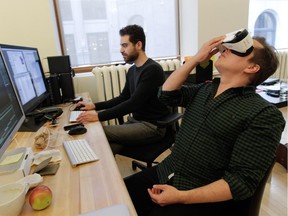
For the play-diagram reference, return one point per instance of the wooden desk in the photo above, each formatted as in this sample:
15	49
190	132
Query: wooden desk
86	187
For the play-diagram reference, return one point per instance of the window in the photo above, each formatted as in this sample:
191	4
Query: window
98	46
93	9
268	18
265	26
90	28
71	51
66	14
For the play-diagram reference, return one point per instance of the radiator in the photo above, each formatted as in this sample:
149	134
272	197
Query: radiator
170	64
282	70
110	80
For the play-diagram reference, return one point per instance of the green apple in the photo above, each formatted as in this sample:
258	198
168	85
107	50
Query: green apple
40	197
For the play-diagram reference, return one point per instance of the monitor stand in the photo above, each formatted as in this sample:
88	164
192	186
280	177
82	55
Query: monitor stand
32	123
34	120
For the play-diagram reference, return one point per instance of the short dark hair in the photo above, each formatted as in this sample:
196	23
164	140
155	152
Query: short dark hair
266	57
136	33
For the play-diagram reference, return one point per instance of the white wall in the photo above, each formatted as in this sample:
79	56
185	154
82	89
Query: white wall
29	23
204	19
32	23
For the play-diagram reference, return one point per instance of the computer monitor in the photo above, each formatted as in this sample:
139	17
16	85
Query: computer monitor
26	71
59	64
11	113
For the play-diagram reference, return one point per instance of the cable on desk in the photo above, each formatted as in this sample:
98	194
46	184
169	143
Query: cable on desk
60	136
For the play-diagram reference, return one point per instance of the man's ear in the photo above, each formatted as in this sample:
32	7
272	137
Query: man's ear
252	68
139	45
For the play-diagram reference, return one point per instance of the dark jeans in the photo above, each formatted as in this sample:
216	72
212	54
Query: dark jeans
137	185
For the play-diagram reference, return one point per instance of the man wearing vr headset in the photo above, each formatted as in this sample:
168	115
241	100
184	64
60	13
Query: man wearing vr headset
228	135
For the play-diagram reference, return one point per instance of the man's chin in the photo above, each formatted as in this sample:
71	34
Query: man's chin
129	61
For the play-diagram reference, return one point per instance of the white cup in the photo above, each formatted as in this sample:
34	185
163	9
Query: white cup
284	88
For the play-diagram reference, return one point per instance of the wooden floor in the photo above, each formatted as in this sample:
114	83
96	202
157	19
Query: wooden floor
274	202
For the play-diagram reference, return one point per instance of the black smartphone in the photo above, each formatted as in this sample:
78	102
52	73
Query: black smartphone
69	127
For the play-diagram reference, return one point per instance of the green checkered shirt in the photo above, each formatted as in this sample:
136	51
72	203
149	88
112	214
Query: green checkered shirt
233	136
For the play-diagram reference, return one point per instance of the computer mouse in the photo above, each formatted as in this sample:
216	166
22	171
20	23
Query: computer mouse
77	130
77	108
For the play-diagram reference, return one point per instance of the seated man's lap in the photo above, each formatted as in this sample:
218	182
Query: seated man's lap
138	184
133	132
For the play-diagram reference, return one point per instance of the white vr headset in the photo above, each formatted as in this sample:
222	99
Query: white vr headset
239	42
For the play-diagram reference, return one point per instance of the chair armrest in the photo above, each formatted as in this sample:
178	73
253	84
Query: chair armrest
169	119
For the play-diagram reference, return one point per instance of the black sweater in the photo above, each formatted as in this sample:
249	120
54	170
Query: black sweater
139	95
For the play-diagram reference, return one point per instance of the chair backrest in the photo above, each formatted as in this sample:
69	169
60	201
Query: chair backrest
251	206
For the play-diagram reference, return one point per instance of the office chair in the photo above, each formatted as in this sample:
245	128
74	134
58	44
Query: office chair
281	155
251	206
147	153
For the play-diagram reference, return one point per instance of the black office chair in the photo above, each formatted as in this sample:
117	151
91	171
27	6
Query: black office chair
281	155
147	153
251	206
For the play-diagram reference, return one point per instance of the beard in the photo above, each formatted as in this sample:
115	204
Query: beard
131	58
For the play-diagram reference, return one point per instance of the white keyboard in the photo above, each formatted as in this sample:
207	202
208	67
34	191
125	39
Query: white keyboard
74	115
79	152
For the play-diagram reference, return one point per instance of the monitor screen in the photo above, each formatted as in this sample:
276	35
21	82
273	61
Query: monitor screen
11	113
26	71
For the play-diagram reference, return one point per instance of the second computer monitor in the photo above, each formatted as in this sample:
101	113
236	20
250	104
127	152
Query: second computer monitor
26	71
59	64
11	113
